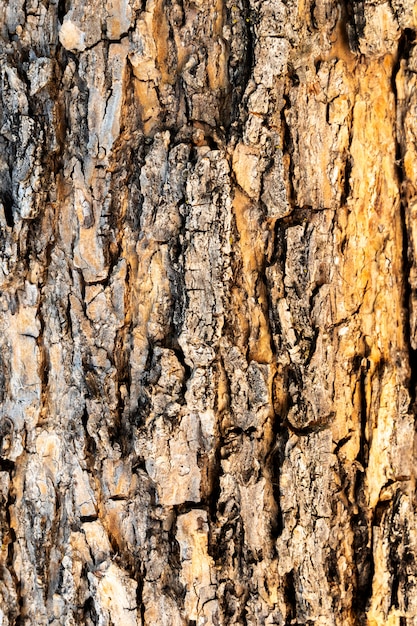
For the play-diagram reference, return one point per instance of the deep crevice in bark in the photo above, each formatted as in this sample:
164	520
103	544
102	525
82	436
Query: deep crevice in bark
364	565
287	149
91	446
405	46
355	10
8	205
363	453
240	75
290	599
61	10
275	461
89	611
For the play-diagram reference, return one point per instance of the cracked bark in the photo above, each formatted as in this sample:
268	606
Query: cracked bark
209	312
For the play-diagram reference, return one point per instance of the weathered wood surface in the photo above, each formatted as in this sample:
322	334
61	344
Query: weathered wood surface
208	312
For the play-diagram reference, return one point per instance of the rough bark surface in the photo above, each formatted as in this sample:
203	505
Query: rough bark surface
208	312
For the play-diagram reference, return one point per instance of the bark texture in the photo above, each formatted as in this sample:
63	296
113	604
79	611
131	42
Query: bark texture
208	300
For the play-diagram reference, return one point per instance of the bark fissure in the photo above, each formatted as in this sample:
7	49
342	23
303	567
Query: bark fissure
405	47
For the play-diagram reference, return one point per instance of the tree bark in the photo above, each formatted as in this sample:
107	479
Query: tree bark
209	312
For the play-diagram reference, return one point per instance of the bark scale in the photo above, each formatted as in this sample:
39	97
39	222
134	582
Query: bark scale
209	312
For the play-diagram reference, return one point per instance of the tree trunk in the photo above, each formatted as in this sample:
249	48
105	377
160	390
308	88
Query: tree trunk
209	312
